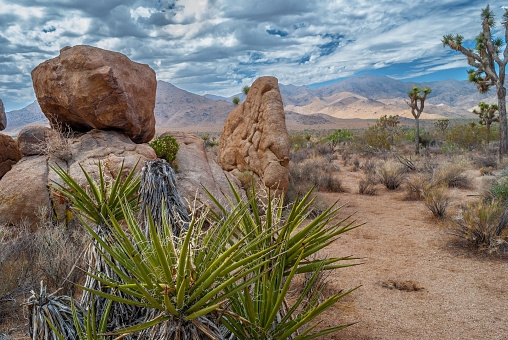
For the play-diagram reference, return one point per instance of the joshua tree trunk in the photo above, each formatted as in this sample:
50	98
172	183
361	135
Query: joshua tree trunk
503	141
417	135
488	134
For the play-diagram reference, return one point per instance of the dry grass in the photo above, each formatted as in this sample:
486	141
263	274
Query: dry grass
452	174
391	174
483	225
367	186
437	199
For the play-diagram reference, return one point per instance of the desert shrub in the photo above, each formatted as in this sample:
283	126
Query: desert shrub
18	273
300	155
367	186
323	149
499	189
486	171
391	174
356	164
372	139
328	181
484	225
166	147
346	157
485	161
297	142
436	198
417	185
452	174
466	136
369	166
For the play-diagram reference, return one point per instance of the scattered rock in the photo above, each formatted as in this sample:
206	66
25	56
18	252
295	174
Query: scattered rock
19	201
196	170
88	88
36	140
255	137
3	117
9	154
407	286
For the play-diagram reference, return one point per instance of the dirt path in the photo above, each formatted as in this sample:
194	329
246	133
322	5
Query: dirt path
463	297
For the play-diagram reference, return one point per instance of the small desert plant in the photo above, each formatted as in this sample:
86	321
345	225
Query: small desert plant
437	199
452	174
166	147
367	186
391	174
328	181
486	171
236	100
484	225
369	167
499	189
418	184
485	161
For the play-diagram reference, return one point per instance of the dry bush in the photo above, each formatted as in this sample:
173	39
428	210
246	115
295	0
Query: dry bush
346	157
452	174
485	161
328	181
300	155
58	144
18	272
356	165
417	185
391	174
26	257
483	225
369	167
437	199
367	186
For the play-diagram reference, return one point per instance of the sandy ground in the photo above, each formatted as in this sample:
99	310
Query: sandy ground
464	296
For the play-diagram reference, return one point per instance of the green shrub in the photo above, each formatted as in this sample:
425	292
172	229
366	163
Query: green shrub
466	136
166	147
499	188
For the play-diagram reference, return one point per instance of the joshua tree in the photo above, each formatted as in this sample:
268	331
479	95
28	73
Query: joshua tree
483	59
236	100
245	90
416	95
487	115
442	124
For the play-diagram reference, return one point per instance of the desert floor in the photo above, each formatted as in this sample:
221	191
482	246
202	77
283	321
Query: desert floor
462	295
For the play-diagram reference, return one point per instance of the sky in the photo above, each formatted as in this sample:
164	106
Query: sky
219	46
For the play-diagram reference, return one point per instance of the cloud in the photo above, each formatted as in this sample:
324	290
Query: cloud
217	46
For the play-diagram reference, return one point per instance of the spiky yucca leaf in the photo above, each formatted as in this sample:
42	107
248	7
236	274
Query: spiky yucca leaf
98	200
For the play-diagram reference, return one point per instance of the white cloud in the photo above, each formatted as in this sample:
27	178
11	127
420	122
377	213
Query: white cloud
214	46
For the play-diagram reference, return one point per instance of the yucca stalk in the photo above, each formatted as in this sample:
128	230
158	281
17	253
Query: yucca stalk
98	203
158	190
50	315
85	323
264	303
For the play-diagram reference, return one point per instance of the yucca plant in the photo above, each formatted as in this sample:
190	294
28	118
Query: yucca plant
99	203
264	303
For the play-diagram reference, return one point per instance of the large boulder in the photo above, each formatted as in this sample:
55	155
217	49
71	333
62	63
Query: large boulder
197	170
27	192
37	140
87	88
255	137
9	154
3	117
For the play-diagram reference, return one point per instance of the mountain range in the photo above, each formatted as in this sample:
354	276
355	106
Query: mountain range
364	97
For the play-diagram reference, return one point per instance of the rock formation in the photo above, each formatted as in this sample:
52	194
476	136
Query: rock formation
197	170
3	117
24	191
36	140
9	154
88	88
255	138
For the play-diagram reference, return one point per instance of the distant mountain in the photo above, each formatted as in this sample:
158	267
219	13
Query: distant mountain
364	97
175	107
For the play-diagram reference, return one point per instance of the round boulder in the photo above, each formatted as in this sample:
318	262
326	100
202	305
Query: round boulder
9	154
87	88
